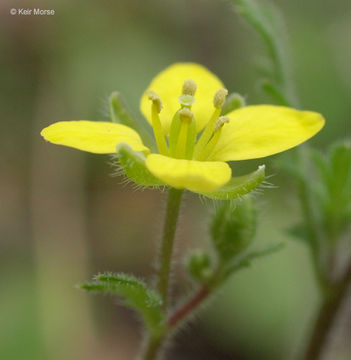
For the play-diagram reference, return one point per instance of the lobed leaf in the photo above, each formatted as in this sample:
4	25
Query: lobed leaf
136	295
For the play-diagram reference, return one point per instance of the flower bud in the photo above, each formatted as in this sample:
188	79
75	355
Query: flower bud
199	266
234	101
233	228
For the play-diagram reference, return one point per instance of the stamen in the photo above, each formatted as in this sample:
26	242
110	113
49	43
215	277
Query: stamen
220	122
156	100
189	87
156	108
216	135
218	101
219	98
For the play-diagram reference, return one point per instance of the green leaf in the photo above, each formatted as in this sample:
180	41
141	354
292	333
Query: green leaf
135	294
238	186
233	228
275	92
246	260
267	21
334	191
133	165
119	113
300	232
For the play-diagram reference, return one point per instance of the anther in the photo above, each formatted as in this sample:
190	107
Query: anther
219	98
156	100
186	115
189	87
220	122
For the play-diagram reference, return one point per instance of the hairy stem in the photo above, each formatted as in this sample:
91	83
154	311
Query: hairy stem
153	345
152	348
186	309
327	316
165	259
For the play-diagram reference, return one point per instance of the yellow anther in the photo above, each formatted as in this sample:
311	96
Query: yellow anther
186	115
156	100
189	87
220	122
219	98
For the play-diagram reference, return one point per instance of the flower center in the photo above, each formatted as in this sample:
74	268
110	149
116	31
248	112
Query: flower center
183	142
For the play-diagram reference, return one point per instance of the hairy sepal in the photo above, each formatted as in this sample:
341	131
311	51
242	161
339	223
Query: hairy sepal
133	166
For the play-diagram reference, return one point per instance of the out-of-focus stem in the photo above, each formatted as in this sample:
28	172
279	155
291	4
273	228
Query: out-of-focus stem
326	317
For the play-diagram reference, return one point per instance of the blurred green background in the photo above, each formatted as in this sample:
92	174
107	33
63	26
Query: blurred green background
63	217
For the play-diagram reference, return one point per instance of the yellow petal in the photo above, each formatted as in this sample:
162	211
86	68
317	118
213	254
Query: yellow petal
168	85
93	136
198	176
263	130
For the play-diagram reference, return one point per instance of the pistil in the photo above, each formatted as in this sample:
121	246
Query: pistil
187	135
182	135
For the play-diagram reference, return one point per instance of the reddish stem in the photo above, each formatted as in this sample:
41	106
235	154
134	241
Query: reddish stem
188	307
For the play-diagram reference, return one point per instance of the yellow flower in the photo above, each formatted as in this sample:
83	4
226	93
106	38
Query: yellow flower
183	104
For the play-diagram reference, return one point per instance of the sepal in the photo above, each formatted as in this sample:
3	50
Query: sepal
120	114
238	186
133	165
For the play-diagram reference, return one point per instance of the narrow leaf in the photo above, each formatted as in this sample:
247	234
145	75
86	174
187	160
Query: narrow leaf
246	260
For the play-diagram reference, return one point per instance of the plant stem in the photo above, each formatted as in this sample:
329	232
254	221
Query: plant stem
188	307
165	259
152	348
327	316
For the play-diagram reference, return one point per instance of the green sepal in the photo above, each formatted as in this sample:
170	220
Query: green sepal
238	186
120	114
133	165
135	294
234	101
233	228
245	261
